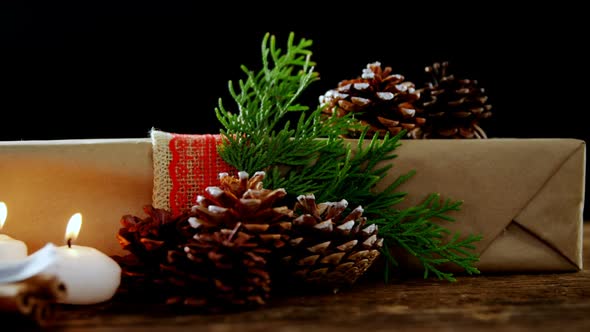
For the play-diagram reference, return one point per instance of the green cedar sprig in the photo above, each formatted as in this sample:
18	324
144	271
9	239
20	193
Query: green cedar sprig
412	229
257	135
311	157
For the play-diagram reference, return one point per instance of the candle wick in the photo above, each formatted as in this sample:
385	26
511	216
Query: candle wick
69	242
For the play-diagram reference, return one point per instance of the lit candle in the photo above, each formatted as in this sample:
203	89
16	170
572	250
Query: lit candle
89	275
10	249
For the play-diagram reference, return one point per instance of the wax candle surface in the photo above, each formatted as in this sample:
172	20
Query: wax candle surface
89	275
10	249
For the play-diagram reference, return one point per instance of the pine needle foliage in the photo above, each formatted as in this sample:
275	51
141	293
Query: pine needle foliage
256	136
310	156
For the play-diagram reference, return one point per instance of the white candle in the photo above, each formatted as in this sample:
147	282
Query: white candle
10	249
89	275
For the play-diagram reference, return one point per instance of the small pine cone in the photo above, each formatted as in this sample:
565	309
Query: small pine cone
148	240
218	271
453	107
244	200
378	99
328	248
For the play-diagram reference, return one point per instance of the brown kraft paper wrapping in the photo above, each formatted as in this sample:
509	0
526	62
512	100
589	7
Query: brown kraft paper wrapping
525	196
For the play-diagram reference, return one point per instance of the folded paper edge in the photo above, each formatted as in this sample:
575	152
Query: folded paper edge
576	261
519	250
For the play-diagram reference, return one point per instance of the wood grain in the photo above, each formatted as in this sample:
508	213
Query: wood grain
540	302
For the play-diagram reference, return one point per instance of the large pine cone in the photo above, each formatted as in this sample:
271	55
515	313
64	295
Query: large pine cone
453	107
215	256
329	248
378	99
237	226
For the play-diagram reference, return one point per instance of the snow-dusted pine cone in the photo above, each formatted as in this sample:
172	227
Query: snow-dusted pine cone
213	257
244	200
378	99
329	248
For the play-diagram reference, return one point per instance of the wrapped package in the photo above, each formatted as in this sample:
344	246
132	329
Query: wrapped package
524	196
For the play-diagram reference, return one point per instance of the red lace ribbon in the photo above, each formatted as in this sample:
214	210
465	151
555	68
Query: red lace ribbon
195	165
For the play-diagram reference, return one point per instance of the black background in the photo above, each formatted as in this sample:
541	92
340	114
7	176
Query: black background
87	70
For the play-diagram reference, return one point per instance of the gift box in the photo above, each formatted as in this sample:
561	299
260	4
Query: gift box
524	196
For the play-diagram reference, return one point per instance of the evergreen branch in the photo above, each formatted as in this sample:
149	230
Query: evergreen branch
254	137
310	156
413	229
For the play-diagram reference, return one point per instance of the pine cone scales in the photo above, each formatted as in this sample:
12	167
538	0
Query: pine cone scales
329	248
149	242
378	99
453	107
151	237
219	255
236	227
214	257
217	271
244	200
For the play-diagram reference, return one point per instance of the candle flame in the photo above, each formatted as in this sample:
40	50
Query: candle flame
3	214
73	228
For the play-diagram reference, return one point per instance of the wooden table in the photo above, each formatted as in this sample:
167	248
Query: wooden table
540	302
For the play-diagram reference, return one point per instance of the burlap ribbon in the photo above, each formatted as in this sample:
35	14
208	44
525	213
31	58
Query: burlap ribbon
184	165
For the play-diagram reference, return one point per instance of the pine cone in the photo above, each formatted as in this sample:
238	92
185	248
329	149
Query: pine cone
214	256
378	99
329	248
244	200
149	240
239	206
217	271
453	107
